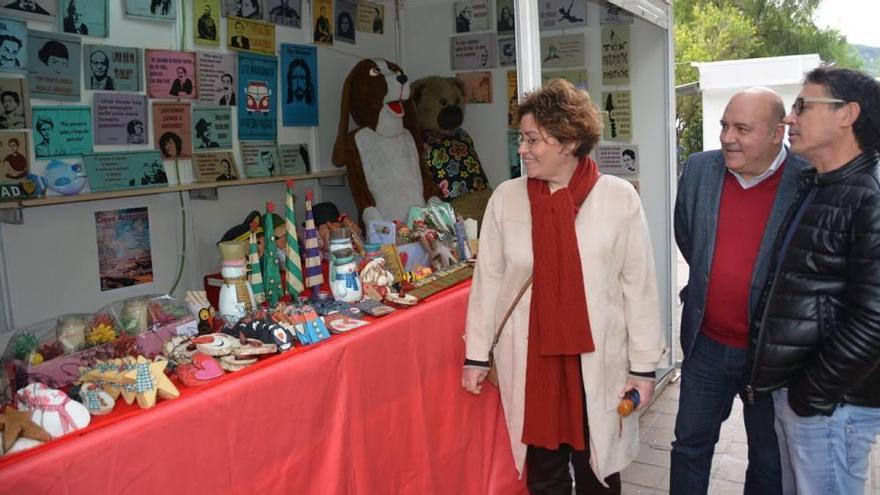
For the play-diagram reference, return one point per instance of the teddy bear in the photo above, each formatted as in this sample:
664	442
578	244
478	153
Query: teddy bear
386	172
449	150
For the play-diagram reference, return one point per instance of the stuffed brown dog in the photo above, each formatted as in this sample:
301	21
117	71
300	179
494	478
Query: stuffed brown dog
385	168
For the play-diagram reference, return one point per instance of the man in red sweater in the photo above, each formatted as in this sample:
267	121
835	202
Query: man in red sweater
729	207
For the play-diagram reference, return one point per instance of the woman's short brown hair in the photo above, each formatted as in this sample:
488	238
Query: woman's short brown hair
566	112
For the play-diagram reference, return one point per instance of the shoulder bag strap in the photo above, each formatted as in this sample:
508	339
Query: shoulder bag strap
509	312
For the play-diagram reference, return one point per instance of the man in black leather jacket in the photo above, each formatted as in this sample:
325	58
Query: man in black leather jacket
817	346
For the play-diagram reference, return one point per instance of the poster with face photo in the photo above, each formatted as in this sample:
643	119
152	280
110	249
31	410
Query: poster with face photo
245	35
473	51
504	18
471	16
260	159
13	52
618	158
322	15
370	18
54	65
299	85
206	22
120	118
154	10
171	74
258	93
563	51
506	51
217	166
346	13
284	12
62	131
15	104
131	169
212	128
247	9
562	14
37	10
14	158
216	73
85	17
294	158
612	14
112	68
172	127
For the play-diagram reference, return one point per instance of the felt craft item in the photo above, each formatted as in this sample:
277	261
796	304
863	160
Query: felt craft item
52	409
202	370
96	400
293	279
314	275
19	424
150	380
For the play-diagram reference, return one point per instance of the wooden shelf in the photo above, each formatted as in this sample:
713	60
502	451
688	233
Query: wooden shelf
127	193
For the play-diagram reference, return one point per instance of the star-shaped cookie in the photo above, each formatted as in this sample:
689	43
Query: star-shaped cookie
19	424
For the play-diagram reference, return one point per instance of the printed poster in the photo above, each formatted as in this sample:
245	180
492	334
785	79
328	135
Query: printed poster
37	10
299	107
612	14
215	166
615	55
506	51
562	14
473	51
471	16
15	104
250	36
124	254
563	51
257	76
14	156
172	128
618	158
125	170
477	86
212	128
260	159
153	10
346	12
247	9
322	12
120	118
62	131
13	52
512	100
578	77
504	15
85	17
285	12
112	68
206	22
616	115
513	162
370	18
216	73
54	65
171	74
294	159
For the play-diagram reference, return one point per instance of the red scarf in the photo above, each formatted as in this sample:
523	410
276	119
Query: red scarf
559	326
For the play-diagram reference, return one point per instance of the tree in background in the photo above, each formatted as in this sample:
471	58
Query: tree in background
711	30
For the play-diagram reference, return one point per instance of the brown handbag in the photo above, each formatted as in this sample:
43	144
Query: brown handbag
492	376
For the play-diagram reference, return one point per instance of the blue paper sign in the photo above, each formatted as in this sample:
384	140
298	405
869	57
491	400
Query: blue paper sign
62	131
299	84
13	52
258	91
127	170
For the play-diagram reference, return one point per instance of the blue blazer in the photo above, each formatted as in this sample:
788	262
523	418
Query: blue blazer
696	223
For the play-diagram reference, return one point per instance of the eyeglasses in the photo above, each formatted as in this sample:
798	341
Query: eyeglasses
800	103
528	140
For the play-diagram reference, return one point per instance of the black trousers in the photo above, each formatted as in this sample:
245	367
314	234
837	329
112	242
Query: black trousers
547	471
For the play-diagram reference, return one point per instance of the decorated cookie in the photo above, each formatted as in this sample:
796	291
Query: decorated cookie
202	370
52	409
216	344
149	380
18	424
235	363
96	400
254	347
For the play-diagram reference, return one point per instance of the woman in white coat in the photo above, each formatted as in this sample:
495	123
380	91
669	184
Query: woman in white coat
588	328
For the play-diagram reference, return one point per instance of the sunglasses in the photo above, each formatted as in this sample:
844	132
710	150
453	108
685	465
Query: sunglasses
800	103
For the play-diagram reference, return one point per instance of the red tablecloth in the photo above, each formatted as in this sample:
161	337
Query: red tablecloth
377	411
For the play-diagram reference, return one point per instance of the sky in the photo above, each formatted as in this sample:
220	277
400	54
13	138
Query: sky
855	19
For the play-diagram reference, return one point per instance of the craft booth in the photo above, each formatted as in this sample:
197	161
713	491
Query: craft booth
237	236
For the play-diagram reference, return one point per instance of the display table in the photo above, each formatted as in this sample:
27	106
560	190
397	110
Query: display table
377	411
